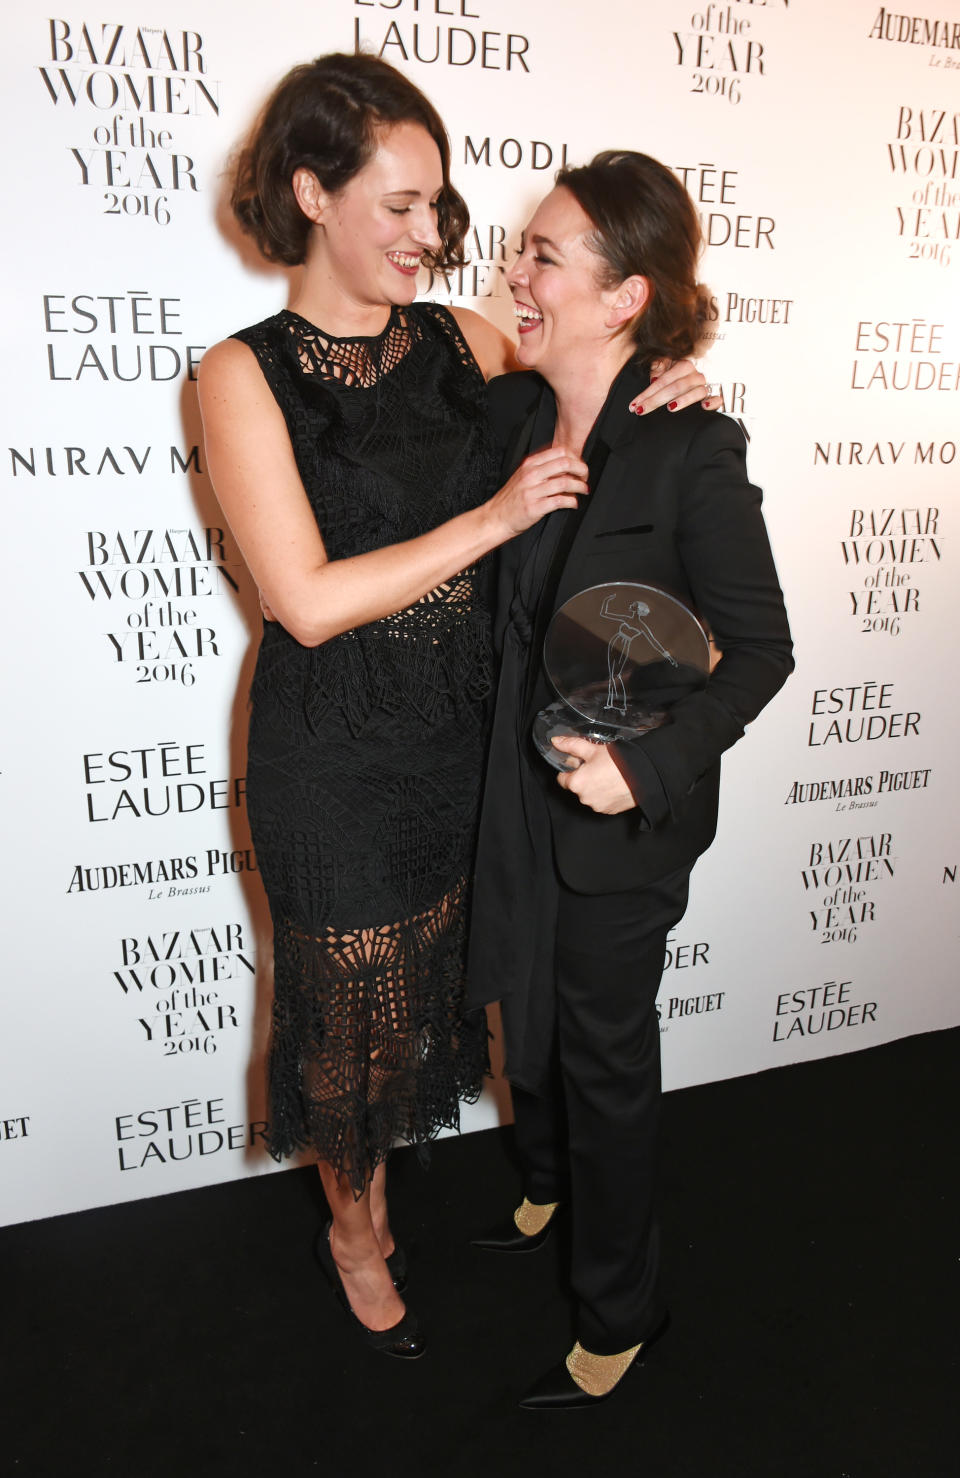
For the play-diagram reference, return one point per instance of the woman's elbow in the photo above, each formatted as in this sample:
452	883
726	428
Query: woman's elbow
308	630
301	612
306	626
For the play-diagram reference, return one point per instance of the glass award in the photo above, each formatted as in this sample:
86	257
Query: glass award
618	656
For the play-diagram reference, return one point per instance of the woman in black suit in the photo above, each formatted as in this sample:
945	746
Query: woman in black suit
582	874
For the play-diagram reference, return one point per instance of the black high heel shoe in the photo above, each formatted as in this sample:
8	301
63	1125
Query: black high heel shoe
402	1340
558	1391
507	1236
397	1267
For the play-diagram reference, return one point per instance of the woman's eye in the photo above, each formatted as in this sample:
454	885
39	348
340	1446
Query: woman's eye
398	210
543	261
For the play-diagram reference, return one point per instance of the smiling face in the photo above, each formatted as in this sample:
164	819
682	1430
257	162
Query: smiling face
563	311
370	238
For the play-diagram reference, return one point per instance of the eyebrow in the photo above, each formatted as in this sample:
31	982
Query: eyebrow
545	241
410	194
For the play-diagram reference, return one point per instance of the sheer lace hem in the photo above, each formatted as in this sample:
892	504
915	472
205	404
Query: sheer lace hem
370	1046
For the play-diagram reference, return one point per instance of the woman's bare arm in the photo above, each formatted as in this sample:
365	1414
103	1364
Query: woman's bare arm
256	480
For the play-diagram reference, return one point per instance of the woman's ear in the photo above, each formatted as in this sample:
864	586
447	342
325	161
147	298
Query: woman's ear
628	299
309	194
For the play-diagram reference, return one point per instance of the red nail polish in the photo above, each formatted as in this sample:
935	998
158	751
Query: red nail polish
638	410
654	379
672	406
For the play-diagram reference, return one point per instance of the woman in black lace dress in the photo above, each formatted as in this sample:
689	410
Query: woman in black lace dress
350	448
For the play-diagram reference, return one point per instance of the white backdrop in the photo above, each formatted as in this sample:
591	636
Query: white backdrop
821	143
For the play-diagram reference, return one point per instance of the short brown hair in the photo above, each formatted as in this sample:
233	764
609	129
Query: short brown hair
324	116
646	224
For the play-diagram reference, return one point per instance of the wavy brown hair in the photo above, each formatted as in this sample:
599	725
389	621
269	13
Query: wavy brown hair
646	224
325	116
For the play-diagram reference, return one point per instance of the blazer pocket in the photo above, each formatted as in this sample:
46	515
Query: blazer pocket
635	528
624	547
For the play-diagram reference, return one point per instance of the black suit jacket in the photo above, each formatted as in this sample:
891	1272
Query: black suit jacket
672	507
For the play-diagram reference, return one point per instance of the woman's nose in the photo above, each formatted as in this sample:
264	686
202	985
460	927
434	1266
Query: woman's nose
425	233
517	274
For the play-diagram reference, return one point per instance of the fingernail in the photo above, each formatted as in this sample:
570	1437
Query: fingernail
654	379
638	410
672	406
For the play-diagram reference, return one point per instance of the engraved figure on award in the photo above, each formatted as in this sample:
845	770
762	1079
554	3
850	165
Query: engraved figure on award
618	647
621	685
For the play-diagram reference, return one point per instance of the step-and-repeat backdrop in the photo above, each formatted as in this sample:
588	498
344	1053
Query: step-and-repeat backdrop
821	145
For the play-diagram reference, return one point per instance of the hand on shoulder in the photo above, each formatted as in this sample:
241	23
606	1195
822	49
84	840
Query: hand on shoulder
675	384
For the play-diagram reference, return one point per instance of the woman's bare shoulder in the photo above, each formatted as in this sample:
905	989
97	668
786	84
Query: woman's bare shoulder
230	360
491	349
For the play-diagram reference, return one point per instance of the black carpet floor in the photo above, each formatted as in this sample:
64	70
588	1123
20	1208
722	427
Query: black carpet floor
810	1219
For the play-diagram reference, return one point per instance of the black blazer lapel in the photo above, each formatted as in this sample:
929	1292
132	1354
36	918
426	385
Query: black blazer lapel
532	432
611	454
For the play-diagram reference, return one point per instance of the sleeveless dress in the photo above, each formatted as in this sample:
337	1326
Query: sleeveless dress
366	753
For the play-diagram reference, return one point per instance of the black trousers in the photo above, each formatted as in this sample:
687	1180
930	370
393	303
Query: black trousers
591	1138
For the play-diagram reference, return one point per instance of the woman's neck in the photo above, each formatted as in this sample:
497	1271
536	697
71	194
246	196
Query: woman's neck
339	318
580	394
323	300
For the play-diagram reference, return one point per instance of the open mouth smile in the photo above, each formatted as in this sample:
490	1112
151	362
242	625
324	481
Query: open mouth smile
405	261
527	318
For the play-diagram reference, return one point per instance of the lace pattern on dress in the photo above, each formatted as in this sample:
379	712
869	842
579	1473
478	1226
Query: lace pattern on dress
389	432
352	362
383	1051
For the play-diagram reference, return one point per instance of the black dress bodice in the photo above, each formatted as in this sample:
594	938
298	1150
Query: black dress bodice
391	438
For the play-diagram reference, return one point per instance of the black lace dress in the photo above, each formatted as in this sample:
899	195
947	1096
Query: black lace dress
366	753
